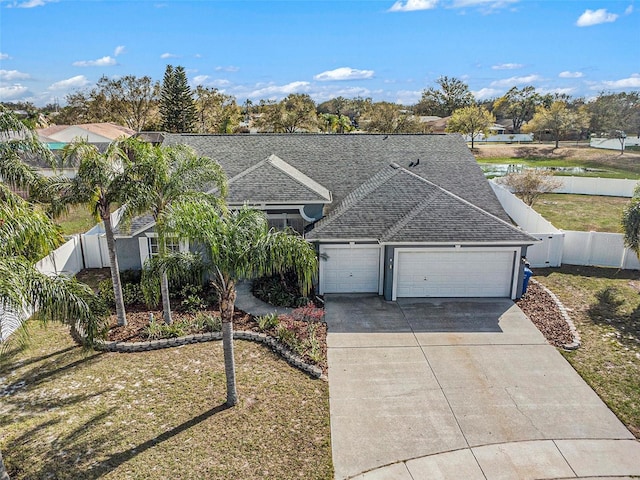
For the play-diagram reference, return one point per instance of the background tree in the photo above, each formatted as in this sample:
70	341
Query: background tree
332	123
631	223
385	117
451	95
158	177
217	112
295	113
98	184
519	105
557	119
530	184
614	112
471	121
130	101
177	107
240	245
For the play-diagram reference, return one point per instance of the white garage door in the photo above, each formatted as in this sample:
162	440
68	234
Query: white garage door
456	273
349	269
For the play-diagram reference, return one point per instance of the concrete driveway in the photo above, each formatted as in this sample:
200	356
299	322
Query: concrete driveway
461	389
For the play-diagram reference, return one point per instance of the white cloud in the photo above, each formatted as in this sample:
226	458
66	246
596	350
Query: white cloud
119	50
101	62
631	82
408	97
413	5
272	90
4	56
344	73
73	82
11	75
12	92
559	91
229	68
31	3
513	81
628	10
568	74
507	66
595	17
200	79
168	55
485	93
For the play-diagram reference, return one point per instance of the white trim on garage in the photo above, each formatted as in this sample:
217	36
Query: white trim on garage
455	272
351	268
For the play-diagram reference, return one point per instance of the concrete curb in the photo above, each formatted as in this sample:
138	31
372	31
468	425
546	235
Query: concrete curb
292	358
563	311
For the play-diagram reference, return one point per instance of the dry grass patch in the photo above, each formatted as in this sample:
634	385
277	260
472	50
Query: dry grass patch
68	414
583	213
605	307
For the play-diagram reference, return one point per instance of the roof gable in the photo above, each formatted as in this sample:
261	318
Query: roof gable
273	180
397	205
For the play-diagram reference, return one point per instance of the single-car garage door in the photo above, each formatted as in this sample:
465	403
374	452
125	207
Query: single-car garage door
454	273
349	269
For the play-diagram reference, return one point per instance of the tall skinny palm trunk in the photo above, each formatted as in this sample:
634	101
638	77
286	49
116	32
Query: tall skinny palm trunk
164	281
115	270
166	302
227	301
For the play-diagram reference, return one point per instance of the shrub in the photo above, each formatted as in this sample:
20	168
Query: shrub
308	313
192	300
267	322
289	338
131	293
280	291
207	323
314	351
156	331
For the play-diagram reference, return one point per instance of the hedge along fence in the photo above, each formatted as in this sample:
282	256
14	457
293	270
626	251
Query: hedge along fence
569	247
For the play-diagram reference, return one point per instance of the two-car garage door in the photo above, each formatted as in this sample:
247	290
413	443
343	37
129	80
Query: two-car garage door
454	273
425	272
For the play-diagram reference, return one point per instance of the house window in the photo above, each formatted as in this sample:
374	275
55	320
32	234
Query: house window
280	221
173	245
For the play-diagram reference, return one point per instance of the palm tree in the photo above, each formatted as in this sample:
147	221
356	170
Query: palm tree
631	223
98	184
157	178
240	245
26	235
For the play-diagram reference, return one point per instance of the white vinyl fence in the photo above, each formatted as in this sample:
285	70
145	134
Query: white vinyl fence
87	250
573	248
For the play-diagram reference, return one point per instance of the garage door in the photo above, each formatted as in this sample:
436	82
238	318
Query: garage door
349	269
456	273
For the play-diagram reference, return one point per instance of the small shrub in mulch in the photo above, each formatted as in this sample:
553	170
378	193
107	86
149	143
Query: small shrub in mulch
280	291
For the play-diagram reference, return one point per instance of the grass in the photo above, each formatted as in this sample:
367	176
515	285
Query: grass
582	212
77	220
68	414
605	306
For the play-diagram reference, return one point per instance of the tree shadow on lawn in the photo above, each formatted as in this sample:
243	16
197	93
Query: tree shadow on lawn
607	311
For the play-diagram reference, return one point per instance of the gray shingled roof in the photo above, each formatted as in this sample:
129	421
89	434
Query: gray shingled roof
342	163
274	181
397	205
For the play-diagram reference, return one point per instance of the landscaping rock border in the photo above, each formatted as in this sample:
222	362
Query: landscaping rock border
565	315
130	347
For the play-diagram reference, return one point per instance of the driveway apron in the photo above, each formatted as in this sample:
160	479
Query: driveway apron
461	388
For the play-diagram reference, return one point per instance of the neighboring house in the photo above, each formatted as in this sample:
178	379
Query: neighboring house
58	135
397	215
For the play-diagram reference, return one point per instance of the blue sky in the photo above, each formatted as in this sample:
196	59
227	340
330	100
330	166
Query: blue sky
384	49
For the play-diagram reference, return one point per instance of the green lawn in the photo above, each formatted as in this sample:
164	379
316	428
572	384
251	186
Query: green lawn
582	212
605	306
67	414
77	220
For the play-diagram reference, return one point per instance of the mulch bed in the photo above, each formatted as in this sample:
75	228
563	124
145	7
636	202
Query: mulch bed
541	309
138	319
